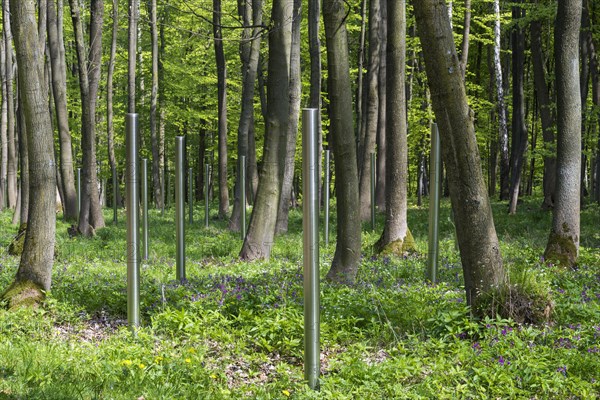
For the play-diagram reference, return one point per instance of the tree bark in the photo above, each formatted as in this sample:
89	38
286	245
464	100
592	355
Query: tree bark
110	130
158	196
10	103
35	269
380	185
563	243
479	248
359	81
348	247
261	230
464	55
22	210
132	40
59	91
3	130
502	126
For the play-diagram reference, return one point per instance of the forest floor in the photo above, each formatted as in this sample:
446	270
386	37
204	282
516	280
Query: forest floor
235	329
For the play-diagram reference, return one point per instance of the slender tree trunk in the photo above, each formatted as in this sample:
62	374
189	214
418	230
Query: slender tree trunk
479	248
59	91
396	238
3	130
314	49
35	269
380	187
295	89
519	128
464	56
156	183
359	82
563	243
10	102
222	110
23	208
110	130
502	127
261	230
347	252
546	114
132	40
584	48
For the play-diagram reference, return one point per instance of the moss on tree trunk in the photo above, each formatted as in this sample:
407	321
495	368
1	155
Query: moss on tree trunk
23	294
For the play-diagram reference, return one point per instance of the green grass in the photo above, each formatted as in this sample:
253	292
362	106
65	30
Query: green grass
235	329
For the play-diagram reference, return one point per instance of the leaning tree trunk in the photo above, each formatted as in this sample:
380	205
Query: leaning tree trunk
261	230
396	237
222	110
563	243
479	248
59	93
502	128
110	130
347	251
35	269
10	103
464	55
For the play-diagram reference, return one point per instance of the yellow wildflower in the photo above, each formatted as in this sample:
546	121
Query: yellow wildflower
126	363
213	376
142	366
188	360
286	392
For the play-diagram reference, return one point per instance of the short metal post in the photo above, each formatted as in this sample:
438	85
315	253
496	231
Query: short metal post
115	191
145	206
206	194
326	195
180	207
133	220
310	227
243	196
434	204
78	191
191	195
373	191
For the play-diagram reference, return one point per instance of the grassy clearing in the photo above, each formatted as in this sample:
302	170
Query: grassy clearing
235	330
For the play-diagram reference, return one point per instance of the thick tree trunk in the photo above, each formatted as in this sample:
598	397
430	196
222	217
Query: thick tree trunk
110	131
261	230
369	136
10	103
519	129
22	212
396	238
295	89
563	243
348	251
479	248
502	126
59	92
545	107
35	269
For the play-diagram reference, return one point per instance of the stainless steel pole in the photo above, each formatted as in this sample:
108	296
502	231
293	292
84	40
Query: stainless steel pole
326	194
180	207
114	182
133	220
145	206
373	191
243	196
206	194
310	226
435	172
191	195
78	191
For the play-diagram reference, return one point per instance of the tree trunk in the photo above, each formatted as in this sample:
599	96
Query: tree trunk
464	55
10	103
59	92
110	131
502	128
359	81
380	185
132	40
314	49
369	137
545	107
261	230
396	238
479	248
295	89
563	243
158	196
519	129
348	247
35	269
3	130
90	214
22	211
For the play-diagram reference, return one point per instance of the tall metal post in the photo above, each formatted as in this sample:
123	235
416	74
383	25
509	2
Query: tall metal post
133	221
145	206
114	199
435	172
243	196
180	206
373	191
78	191
326	194
206	194
191	195
310	227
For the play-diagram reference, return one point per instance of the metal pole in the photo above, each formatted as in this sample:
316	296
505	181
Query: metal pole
206	194
78	191
180	206
145	205
373	191
191	195
310	227
434	204
243	195
114	182
326	194
133	220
